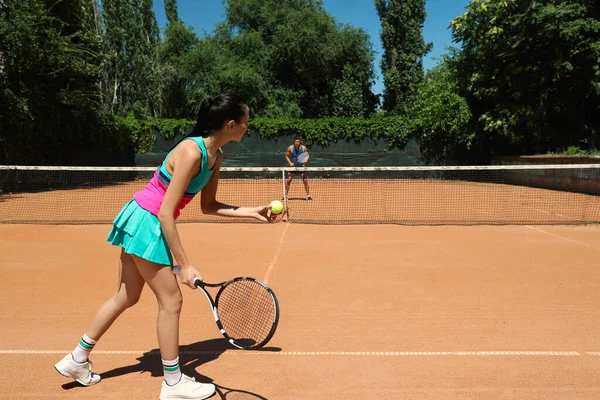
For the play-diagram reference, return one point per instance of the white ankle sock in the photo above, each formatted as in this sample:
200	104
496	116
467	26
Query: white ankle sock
83	349
171	371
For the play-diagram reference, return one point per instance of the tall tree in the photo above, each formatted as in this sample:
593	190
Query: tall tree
49	71
175	99
441	116
531	73
171	11
297	46
404	49
131	72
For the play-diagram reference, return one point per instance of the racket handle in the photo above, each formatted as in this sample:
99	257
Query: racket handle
176	270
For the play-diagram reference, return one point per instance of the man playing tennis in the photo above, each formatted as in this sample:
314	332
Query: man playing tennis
146	231
291	156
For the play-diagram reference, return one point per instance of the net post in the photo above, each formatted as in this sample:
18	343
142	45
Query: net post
285	202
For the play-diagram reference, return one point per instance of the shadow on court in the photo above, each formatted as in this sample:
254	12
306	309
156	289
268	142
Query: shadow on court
190	357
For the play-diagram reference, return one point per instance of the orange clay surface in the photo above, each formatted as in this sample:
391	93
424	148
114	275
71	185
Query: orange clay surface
367	312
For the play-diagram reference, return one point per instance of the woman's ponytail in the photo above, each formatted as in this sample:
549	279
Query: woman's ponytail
214	112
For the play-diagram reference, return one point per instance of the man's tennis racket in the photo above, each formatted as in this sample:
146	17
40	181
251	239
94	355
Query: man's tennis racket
245	310
302	158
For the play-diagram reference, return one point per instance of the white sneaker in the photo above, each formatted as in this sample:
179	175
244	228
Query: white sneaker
186	388
81	372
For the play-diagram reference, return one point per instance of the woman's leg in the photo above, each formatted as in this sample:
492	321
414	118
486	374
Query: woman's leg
76	365
128	293
166	289
168	295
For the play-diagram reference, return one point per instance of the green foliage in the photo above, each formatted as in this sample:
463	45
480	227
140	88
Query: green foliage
297	49
48	75
442	116
347	96
171	11
75	75
396	131
175	72
131	74
286	58
142	133
530	72
575	151
404	49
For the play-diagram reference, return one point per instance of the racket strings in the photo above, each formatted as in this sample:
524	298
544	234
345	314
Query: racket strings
247	311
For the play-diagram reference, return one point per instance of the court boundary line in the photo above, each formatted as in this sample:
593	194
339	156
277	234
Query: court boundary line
234	352
560	237
276	257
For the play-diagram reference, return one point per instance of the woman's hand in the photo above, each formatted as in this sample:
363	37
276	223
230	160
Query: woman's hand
263	214
188	274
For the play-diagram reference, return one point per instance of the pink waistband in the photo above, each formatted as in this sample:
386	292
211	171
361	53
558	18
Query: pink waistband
151	197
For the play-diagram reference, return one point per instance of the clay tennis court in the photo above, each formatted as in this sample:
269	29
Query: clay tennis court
375	311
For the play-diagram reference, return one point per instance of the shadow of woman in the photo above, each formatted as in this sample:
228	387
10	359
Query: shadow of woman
191	356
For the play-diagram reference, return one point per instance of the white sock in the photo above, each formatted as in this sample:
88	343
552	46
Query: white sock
171	371
83	349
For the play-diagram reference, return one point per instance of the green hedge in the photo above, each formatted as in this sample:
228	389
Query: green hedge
396	131
126	136
143	133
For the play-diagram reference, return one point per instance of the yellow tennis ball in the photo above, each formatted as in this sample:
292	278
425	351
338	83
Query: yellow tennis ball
276	207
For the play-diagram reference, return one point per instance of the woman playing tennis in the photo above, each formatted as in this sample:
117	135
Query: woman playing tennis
146	230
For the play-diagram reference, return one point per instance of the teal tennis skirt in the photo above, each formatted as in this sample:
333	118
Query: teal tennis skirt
139	233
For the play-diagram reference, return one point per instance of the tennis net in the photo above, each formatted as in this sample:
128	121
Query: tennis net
540	194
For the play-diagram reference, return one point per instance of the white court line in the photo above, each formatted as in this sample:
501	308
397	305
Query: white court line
560	237
320	353
530	208
547	212
593	353
272	265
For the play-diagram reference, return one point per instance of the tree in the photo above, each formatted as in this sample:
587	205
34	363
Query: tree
442	116
171	11
347	96
530	72
297	47
404	49
173	54
48	75
130	69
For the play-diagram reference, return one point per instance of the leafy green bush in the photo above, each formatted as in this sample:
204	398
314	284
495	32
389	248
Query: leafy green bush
396	131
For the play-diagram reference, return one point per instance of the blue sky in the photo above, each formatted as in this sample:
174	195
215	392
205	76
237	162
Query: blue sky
202	15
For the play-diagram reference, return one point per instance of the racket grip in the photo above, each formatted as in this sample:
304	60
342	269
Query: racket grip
175	269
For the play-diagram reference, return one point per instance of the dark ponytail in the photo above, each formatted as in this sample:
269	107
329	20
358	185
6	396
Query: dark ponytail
214	112
202	118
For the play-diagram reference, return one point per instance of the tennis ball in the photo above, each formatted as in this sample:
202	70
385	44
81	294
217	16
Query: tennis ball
276	207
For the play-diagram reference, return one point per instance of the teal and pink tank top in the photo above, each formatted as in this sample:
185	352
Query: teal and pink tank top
151	197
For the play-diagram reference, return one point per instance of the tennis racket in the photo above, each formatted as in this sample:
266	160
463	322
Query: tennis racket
302	158
245	309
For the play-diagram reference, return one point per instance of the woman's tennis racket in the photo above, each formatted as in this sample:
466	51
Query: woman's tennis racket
245	310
